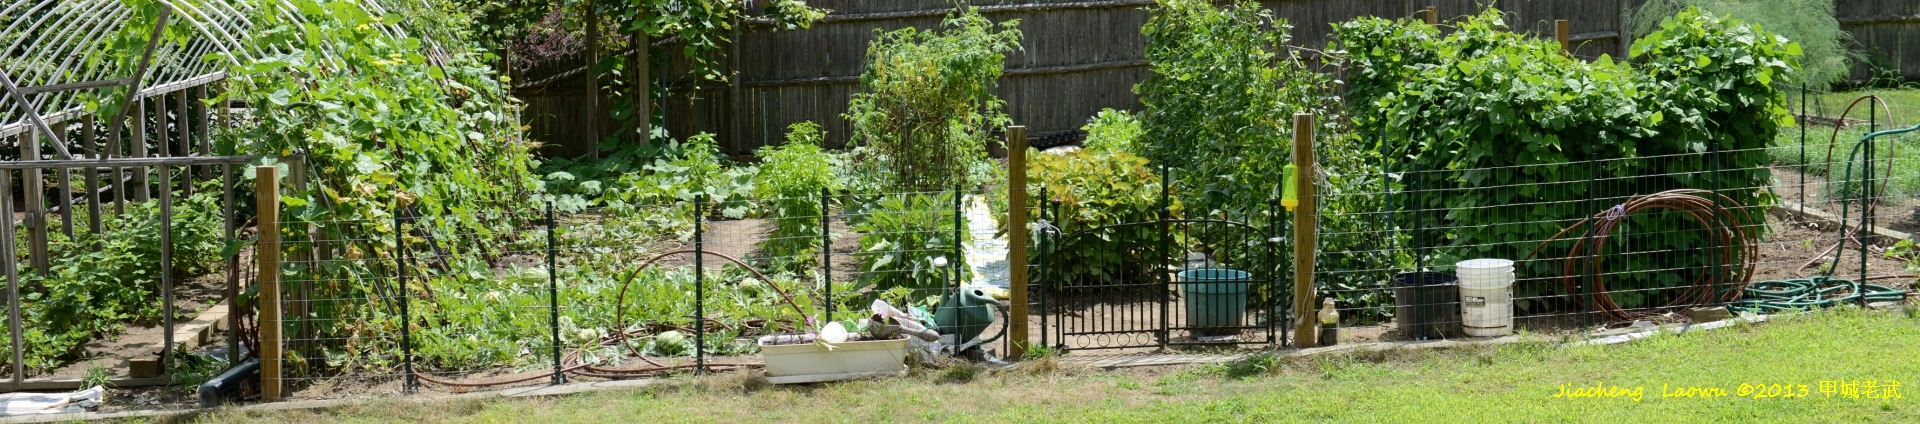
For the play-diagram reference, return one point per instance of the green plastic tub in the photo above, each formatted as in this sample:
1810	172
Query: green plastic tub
1216	299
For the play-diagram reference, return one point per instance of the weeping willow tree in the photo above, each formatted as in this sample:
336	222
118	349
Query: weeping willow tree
1811	23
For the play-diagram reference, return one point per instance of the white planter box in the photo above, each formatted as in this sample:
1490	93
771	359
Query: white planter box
808	362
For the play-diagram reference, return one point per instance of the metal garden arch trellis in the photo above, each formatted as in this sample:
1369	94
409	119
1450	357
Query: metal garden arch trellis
61	63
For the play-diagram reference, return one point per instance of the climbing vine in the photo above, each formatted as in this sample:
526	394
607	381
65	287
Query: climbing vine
1500	140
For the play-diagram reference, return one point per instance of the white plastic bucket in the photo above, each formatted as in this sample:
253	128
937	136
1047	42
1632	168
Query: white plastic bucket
1486	296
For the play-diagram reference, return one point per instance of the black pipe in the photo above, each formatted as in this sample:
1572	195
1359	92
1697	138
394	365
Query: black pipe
234	384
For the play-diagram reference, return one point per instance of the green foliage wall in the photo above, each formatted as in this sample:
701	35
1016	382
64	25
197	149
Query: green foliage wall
1505	133
1219	112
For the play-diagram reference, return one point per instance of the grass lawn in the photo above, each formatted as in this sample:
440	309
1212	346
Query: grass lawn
1904	101
1826	155
1512	383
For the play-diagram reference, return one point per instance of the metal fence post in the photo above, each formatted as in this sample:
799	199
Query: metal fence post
406	320
1017	238
699	284
1803	149
553	296
166	267
1166	251
826	250
1273	261
1044	243
959	254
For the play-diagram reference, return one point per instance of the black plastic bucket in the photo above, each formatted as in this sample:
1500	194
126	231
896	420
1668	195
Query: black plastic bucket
1426	304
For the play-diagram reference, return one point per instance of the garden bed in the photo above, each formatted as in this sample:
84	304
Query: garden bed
114	352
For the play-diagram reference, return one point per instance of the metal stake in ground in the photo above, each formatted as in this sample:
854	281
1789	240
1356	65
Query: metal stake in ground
553	299
406	321
699	284
826	251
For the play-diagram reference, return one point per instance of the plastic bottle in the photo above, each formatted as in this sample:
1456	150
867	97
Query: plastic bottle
1329	323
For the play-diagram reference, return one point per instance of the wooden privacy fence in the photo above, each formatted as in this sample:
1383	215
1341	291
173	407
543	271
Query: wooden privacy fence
1077	57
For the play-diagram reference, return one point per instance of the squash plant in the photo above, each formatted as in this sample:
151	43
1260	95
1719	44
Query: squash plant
389	124
901	235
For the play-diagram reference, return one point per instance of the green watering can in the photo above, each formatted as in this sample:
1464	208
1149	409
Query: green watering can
963	315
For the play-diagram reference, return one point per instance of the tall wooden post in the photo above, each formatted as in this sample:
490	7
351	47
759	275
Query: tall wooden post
13	281
1433	15
1017	236
1562	30
1625	49
593	79
266	198
643	78
139	105
1306	331
36	205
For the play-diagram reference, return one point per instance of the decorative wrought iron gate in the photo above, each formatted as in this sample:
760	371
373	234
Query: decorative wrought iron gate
1160	283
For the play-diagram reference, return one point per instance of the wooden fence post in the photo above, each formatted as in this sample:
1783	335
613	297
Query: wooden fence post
1017	237
266	198
593	79
13	280
34	194
1625	48
1306	330
139	105
1433	15
1562	30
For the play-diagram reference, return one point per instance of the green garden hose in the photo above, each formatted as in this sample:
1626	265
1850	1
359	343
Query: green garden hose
1770	296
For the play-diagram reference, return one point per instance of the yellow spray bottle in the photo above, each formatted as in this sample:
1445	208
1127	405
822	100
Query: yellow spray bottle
1289	195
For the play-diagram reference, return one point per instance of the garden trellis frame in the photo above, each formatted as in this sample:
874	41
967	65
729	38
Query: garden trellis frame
62	65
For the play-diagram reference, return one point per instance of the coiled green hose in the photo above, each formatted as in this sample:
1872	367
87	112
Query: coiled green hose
1770	296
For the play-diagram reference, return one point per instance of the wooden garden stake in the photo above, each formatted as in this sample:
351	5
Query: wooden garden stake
1017	236
1561	32
266	198
1433	15
1306	331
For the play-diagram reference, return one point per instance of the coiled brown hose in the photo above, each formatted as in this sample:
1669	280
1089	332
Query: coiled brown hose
1734	247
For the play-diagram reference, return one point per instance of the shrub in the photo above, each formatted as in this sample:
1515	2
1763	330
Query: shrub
926	108
791	181
1097	188
1113	130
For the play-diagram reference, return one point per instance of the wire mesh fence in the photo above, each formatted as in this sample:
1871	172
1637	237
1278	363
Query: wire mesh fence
541	293
611	292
